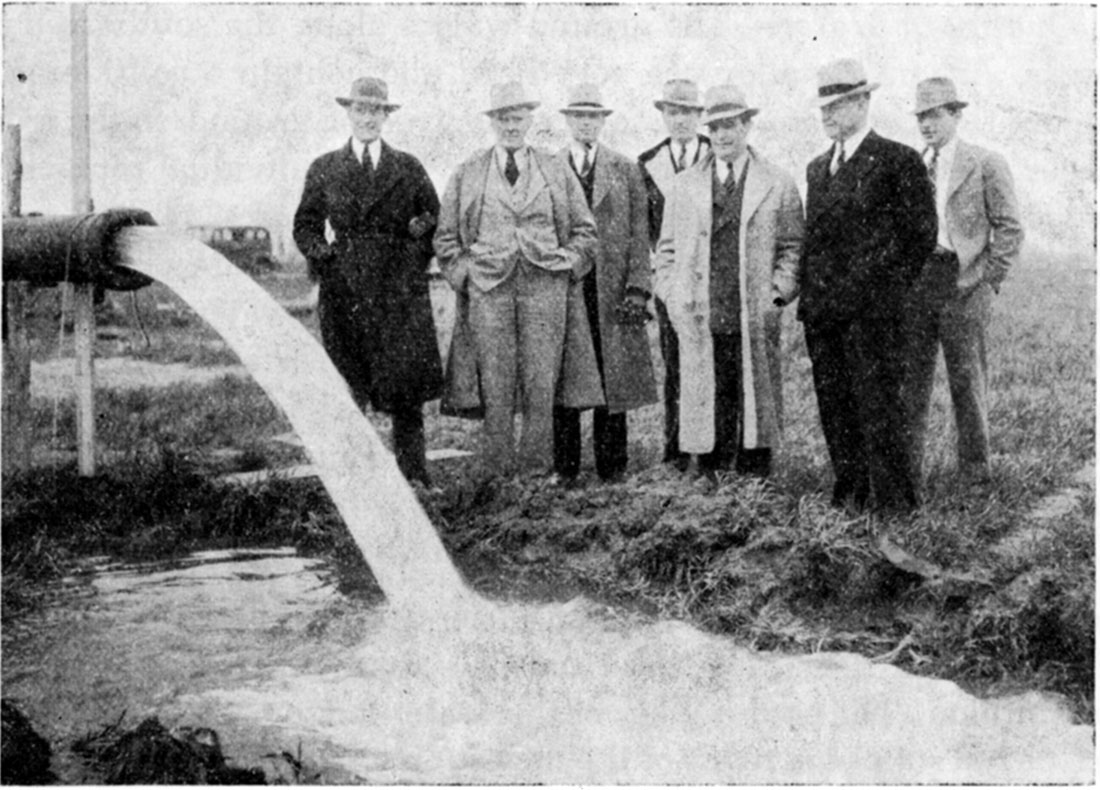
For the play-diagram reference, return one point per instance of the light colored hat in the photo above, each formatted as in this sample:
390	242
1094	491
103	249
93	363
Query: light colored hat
679	93
508	96
937	92
726	101
371	90
841	78
586	98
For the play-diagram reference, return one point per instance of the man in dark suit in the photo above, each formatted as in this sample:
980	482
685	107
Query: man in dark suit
870	226
375	311
681	111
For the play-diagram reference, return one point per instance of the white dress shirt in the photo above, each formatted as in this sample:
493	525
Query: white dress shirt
501	154
850	146
737	166
691	149
578	152
374	147
944	162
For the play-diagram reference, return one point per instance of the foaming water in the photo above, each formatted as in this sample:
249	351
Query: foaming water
557	695
449	689
361	476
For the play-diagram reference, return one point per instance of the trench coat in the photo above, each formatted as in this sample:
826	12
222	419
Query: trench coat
374	304
459	219
770	253
621	210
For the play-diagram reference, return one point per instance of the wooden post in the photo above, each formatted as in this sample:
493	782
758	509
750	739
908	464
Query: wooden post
83	305
16	440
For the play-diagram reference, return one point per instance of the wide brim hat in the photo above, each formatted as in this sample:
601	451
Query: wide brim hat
936	92
370	90
509	96
679	93
585	98
726	101
840	79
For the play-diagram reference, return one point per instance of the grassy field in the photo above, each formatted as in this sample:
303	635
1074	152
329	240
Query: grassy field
1007	605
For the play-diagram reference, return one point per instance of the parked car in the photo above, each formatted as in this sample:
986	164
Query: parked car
247	246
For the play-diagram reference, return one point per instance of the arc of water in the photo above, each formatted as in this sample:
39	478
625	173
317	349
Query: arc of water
380	510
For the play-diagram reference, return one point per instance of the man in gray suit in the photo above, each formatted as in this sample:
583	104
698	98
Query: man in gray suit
978	242
514	233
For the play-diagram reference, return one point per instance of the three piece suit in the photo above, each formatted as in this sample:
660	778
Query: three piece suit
869	230
512	253
375	311
980	235
660	165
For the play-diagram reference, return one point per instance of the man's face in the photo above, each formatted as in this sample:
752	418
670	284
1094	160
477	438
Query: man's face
585	126
681	122
729	137
845	117
367	120
511	126
937	126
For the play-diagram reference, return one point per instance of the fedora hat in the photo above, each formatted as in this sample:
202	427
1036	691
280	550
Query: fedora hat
726	101
841	78
585	97
937	92
679	93
371	90
507	96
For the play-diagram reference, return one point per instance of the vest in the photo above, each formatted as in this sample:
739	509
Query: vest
725	257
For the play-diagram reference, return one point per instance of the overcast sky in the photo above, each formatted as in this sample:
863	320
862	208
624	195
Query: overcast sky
208	113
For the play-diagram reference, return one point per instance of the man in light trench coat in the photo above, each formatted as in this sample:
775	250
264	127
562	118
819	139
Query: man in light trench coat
727	262
615	291
515	239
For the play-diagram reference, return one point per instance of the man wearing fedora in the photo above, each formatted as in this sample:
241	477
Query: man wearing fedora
680	110
615	290
870	226
375	312
979	240
727	262
514	234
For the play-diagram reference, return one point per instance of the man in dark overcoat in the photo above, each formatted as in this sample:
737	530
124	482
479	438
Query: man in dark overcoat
681	111
615	291
375	310
870	226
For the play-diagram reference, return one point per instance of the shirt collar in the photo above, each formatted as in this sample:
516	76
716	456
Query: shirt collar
502	157
577	150
738	165
692	150
946	153
851	145
375	148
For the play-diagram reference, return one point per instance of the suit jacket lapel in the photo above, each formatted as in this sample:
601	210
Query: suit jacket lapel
382	180
601	179
757	187
965	161
848	177
661	170
472	194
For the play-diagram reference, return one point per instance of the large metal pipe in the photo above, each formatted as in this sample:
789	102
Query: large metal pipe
78	249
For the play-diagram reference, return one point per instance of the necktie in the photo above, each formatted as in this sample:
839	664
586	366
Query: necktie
839	161
727	179
586	167
368	165
511	170
681	160
932	168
